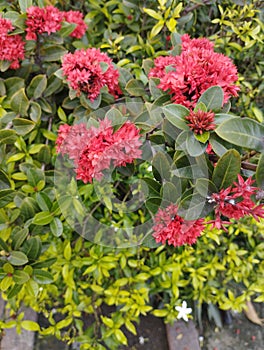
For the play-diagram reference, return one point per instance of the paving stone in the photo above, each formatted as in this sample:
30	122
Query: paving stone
13	341
182	336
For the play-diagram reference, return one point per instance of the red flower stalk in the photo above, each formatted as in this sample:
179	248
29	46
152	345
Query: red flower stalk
201	121
42	20
196	69
11	46
94	150
170	227
235	202
76	17
85	73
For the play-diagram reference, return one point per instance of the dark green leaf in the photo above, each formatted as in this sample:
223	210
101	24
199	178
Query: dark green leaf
14	291
226	170
32	248
260	172
6	196
135	87
4	180
52	53
194	147
19	235
66	29
213	98
17	258
162	165
176	114
7	137
19	102
243	132
44	263
42	277
153	204
37	86
205	187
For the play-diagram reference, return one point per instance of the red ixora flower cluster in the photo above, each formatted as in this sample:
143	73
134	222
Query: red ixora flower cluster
11	46
49	19
235	202
96	149
197	68
200	121
170	227
89	70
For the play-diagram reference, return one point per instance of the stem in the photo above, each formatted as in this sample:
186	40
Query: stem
249	166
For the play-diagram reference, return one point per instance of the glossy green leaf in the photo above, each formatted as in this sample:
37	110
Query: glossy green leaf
37	86
17	258
14	291
23	126
56	227
226	170
19	102
52	53
32	248
19	236
243	132
42	218
7	137
176	114
193	146
42	277
135	87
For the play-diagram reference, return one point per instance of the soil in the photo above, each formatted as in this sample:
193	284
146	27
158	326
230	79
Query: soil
238	333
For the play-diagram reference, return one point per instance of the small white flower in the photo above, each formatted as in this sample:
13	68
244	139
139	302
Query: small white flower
183	311
141	340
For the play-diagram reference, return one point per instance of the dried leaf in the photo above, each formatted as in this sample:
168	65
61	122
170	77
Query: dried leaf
252	315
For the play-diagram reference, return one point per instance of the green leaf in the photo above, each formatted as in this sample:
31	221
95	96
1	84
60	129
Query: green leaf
4	180
7	137
14	291
194	147
242	132
42	277
120	336
32	248
161	163
44	263
156	29
66	29
56	227
52	53
213	98
135	87
37	86
34	111
29	325
205	187
153	186
20	277
17	258
6	196
226	170
67	251
19	236
23	126
42	218
24	5
176	114
43	201
153	13
87	103
153	204
19	102
203	138
260	172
